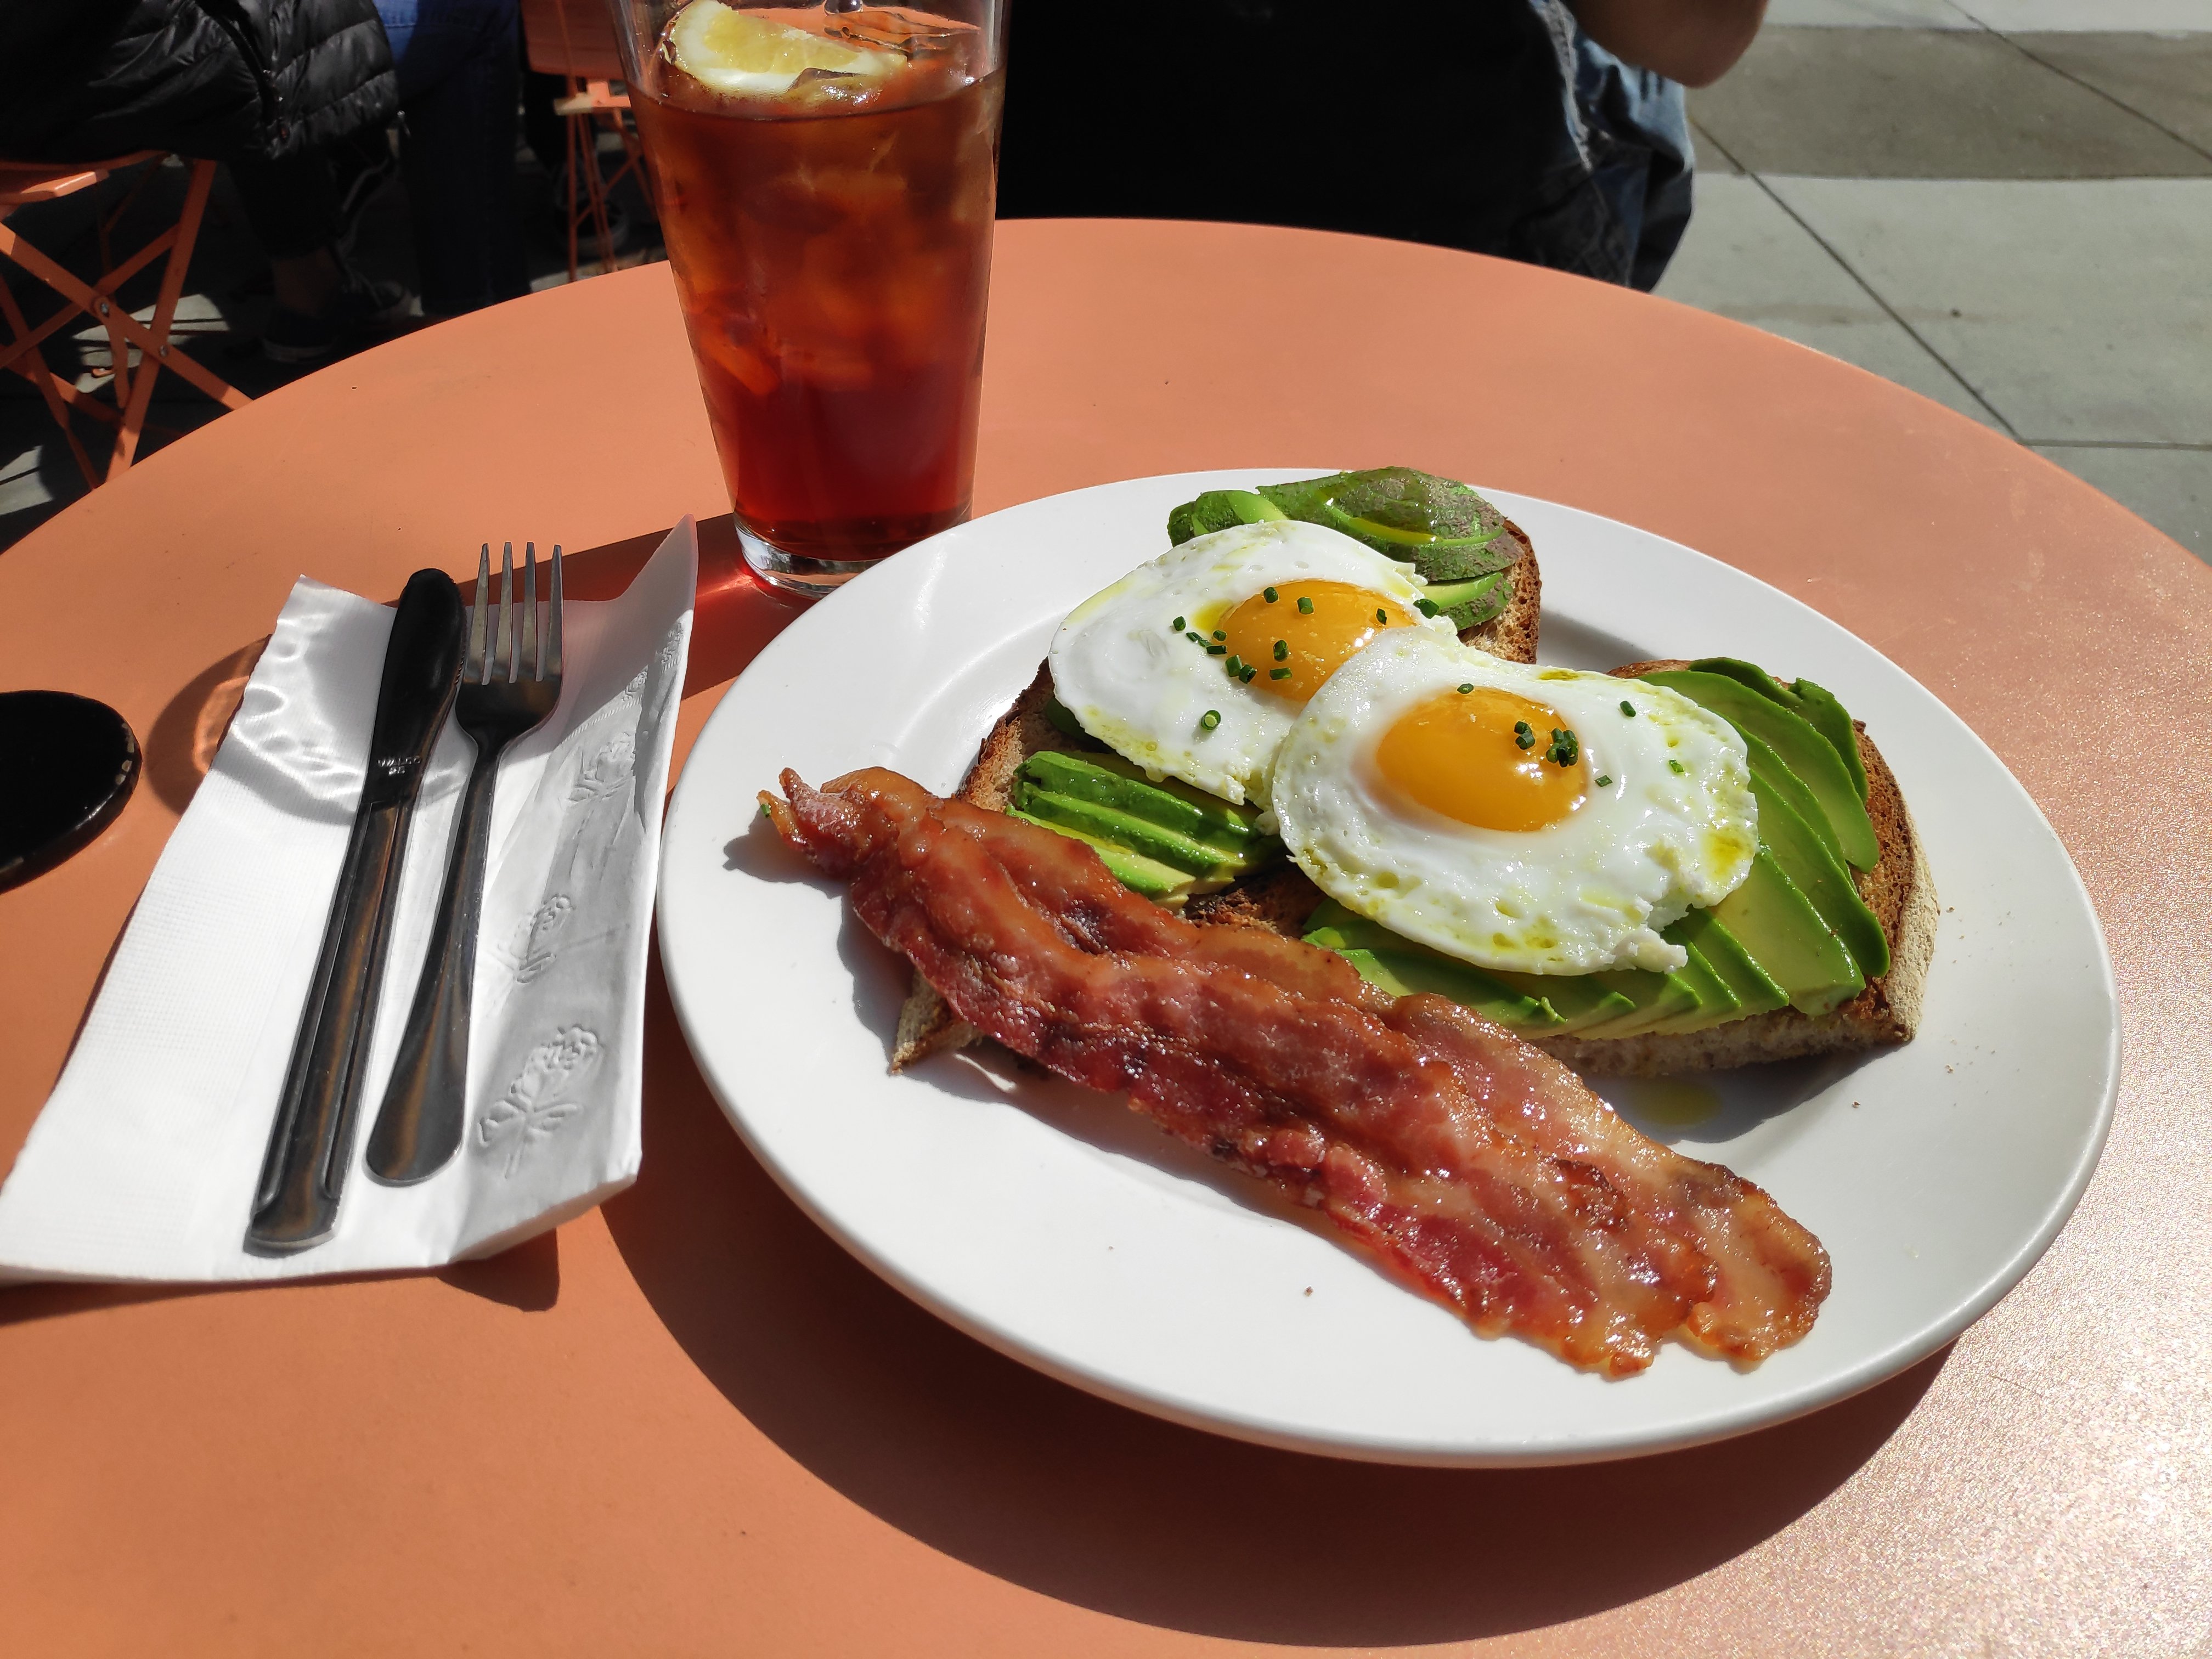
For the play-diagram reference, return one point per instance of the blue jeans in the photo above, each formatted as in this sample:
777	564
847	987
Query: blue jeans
458	93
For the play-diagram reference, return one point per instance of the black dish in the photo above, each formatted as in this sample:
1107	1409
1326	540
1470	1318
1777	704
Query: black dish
73	763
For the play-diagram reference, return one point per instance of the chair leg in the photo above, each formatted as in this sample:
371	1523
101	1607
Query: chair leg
572	122
45	379
598	187
165	312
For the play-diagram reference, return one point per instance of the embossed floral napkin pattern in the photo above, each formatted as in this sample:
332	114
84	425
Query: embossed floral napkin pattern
143	1164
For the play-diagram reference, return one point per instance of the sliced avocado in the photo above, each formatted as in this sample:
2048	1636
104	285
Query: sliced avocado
1109	781
1447	530
1336	927
1778	925
1801	749
1218	509
1814	704
1401	973
1786	785
1470	603
1808	864
1126	829
1577	999
1715	1002
1401	966
1750	674
1057	715
1140	874
1655	1000
1834	722
1754	987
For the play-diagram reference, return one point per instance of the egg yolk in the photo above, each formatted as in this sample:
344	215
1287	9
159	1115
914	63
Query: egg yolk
1308	628
1458	754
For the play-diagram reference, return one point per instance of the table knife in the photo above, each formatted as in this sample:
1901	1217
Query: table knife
295	1203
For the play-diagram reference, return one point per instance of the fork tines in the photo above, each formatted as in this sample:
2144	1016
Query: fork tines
539	646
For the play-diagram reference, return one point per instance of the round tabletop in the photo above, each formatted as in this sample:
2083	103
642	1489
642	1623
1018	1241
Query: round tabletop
688	1422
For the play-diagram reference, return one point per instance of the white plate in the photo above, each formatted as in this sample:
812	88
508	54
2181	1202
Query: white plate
1060	1228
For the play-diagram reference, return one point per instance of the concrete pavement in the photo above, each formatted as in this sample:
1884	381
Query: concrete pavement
2003	204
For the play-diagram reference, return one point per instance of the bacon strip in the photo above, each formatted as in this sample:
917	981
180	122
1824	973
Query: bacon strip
1468	1164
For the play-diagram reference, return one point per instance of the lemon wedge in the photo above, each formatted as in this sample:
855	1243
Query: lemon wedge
742	52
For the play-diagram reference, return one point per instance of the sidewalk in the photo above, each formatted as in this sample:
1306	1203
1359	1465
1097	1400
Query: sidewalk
2003	204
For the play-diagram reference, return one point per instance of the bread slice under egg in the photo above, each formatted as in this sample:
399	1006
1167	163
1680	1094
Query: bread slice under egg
1898	890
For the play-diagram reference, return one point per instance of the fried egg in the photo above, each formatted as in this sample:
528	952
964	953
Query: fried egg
1155	666
1538	819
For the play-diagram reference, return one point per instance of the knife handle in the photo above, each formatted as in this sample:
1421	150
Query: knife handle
296	1202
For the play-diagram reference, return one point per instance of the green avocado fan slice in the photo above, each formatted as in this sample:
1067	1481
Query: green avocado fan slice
1447	532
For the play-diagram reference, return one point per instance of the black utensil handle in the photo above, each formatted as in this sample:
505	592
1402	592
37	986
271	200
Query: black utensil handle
295	1204
419	1126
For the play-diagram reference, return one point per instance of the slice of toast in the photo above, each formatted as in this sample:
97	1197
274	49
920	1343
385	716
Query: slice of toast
1898	890
1279	896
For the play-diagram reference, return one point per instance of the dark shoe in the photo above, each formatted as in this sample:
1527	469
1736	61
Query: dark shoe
364	311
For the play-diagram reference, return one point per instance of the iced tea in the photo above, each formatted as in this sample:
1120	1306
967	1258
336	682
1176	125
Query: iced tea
828	213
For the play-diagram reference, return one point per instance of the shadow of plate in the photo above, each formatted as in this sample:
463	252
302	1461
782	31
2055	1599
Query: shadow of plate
1037	1483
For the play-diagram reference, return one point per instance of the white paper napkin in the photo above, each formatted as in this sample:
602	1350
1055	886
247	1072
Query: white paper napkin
143	1164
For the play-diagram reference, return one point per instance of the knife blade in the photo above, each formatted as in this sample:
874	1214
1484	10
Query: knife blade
303	1171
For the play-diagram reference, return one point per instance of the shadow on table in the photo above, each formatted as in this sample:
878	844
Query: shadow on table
526	1277
734	618
1037	1483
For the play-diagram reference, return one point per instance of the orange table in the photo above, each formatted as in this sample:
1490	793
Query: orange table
690	1424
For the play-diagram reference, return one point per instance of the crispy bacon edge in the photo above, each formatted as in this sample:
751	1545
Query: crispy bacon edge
1466	1162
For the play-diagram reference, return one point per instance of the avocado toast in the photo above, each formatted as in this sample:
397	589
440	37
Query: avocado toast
1824	947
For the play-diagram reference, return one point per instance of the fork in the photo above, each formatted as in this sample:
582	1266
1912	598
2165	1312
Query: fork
510	682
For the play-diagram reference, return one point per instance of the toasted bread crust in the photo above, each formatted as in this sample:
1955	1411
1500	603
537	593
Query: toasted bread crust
1511	633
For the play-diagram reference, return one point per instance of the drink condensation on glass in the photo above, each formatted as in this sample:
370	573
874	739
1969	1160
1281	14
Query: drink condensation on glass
826	177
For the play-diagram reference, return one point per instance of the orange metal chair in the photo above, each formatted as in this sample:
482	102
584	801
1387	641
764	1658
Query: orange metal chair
576	39
24	182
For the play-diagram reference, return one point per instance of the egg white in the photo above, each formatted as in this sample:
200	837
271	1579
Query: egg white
1588	893
1141	688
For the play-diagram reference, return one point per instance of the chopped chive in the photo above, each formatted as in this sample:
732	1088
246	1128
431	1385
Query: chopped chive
1628	709
763	809
1469	686
1216	650
1176	626
1193	639
1306	607
1428	607
1522	735
1269	594
1282	650
1676	767
1279	673
1246	673
1219	635
1604	781
1209	719
1566	748
1381	615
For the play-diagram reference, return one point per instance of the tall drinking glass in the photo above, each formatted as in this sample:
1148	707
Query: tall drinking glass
826	177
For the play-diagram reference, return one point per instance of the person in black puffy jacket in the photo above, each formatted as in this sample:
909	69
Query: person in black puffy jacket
267	87
91	79
264	85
